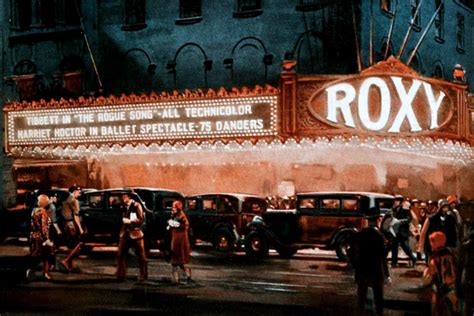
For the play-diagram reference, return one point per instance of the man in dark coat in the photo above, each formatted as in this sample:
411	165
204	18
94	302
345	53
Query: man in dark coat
444	221
466	272
369	261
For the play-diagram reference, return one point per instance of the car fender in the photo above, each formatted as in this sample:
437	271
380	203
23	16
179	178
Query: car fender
258	224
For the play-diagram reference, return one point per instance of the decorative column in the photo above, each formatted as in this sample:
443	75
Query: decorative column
288	83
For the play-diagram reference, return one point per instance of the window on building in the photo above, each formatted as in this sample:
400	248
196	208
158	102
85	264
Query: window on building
460	33
248	8
248	5
312	5
438	72
189	9
134	15
26	14
439	21
468	3
386	6
416	20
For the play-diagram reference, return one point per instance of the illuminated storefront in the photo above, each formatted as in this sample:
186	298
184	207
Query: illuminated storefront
386	129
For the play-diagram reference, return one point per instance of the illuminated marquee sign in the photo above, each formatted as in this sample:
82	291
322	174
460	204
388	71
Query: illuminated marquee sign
383	103
190	119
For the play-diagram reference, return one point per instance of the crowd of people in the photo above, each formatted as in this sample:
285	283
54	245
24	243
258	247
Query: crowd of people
436	231
44	226
438	238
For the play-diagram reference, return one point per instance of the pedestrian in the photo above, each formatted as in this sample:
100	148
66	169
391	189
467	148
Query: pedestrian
441	275
52	210
453	201
404	216
423	212
54	230
466	272
40	244
131	234
72	227
389	224
442	221
432	207
180	246
369	260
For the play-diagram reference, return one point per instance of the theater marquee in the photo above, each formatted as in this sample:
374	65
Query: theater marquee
144	122
386	101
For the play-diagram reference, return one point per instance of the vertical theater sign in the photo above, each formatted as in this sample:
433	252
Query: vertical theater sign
385	129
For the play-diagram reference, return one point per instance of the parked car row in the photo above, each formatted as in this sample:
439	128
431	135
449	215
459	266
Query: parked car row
228	221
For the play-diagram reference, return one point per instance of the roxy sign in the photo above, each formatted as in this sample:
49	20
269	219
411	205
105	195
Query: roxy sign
383	103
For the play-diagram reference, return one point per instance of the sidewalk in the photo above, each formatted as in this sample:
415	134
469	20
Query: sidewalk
402	296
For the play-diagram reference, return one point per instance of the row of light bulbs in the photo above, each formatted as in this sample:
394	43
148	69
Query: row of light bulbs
458	152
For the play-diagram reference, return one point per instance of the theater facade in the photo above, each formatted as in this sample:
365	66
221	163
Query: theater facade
385	129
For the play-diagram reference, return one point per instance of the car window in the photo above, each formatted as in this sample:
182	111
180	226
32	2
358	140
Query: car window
330	204
308	203
167	202
147	197
94	200
191	204
253	205
384	204
209	204
350	205
228	205
115	201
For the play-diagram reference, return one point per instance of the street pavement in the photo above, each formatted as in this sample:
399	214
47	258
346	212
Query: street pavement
313	282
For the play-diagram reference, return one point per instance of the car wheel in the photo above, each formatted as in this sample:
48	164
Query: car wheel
256	245
343	247
287	252
223	240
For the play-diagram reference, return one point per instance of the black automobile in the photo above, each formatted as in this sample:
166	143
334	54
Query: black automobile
102	211
16	221
321	219
222	219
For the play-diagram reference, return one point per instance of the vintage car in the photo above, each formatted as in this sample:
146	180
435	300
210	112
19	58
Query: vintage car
222	219
102	212
321	219
16	221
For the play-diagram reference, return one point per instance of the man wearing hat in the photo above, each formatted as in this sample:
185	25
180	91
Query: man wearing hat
402	217
453	200
72	226
443	221
369	260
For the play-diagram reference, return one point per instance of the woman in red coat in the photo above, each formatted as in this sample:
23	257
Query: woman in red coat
40	244
180	246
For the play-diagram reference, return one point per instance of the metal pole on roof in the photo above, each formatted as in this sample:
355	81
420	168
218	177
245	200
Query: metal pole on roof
371	46
413	53
407	35
356	35
83	30
390	32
